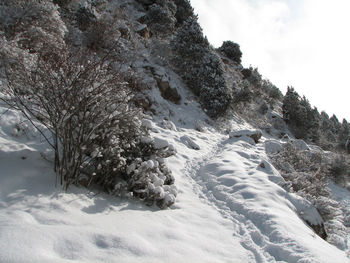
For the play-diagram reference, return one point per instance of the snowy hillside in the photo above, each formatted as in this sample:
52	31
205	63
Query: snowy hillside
229	208
228	165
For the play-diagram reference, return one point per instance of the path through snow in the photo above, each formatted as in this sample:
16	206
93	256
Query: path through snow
228	209
237	179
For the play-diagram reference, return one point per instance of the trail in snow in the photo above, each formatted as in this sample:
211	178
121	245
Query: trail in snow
233	180
228	209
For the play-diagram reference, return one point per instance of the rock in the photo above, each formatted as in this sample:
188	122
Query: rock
124	32
254	134
160	143
273	147
300	145
169	125
143	102
148	124
309	214
190	143
277	121
167	91
262	165
143	31
319	230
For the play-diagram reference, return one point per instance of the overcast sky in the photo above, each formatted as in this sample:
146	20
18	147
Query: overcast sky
299	43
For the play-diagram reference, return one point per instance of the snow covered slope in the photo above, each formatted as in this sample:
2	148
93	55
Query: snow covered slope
230	208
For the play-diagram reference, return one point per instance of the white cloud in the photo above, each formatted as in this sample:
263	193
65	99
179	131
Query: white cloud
305	44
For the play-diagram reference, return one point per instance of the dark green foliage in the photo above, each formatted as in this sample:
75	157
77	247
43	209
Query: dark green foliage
340	170
299	115
272	91
263	108
85	17
253	76
344	134
161	19
214	95
102	33
231	50
200	68
183	12
189	44
61	3
246	72
243	95
35	25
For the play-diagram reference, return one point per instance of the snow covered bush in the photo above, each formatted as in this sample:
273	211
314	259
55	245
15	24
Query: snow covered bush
34	25
151	181
85	17
231	50
102	31
243	95
305	173
161	19
200	68
273	92
339	170
214	94
183	11
188	43
82	106
252	75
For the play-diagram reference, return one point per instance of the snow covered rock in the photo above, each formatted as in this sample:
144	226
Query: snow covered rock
147	124
273	147
169	125
168	92
309	214
190	143
300	145
254	134
160	143
277	121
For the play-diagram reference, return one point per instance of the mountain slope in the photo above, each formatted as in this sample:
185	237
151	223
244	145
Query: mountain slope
231	206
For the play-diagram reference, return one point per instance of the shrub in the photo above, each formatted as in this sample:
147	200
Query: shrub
339	170
160	19
263	108
246	72
34	25
184	10
306	175
272	91
85	17
255	77
243	95
103	33
189	44
231	50
82	106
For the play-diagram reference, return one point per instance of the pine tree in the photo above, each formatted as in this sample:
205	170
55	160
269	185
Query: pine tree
200	68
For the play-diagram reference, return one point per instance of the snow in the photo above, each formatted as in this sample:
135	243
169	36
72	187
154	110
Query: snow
228	208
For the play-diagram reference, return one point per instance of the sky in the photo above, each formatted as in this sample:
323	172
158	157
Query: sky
300	43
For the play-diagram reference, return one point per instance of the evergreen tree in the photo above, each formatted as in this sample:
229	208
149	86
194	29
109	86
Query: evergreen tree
231	50
301	118
200	68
